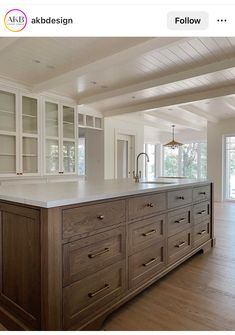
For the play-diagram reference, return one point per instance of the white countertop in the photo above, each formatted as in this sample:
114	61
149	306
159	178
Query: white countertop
55	194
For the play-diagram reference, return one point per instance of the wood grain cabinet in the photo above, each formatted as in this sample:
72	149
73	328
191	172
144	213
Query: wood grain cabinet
68	267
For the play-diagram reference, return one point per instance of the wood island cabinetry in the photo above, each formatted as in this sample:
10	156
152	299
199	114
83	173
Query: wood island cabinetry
68	267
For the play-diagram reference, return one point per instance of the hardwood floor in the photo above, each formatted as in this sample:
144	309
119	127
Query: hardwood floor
199	295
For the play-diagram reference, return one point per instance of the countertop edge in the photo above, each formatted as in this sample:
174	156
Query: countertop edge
99	197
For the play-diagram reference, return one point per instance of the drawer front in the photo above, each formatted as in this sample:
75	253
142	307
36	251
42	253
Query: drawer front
179	245
201	193
86	219
201	233
88	255
146	232
92	294
146	205
146	263
201	212
179	220
179	198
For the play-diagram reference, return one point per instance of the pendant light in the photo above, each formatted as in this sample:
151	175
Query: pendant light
173	144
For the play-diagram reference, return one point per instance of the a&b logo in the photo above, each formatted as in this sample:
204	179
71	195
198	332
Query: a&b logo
15	20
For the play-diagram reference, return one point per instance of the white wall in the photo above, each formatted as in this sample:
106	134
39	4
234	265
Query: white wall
151	135
215	133
94	154
113	126
184	136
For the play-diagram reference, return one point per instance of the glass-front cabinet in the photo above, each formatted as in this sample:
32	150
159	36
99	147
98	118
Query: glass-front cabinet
8	133
37	136
18	134
60	139
30	136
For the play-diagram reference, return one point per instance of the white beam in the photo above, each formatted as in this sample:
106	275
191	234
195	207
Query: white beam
6	42
229	104
176	120
158	81
199	112
146	120
173	101
109	61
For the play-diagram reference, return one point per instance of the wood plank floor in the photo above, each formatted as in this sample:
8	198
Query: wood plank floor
199	295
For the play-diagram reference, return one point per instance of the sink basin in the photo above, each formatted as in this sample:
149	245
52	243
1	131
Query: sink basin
157	182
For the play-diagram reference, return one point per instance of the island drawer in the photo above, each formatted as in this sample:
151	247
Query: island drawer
179	245
146	205
92	294
201	193
145	264
84	220
201	233
179	220
201	212
86	256
146	232
180	198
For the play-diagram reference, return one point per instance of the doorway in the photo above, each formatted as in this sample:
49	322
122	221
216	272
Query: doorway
124	155
229	162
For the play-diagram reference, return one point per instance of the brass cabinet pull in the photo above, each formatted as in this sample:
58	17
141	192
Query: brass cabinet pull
101	217
180	220
153	231
202	232
93	294
180	198
204	211
180	245
150	262
203	193
99	253
149	204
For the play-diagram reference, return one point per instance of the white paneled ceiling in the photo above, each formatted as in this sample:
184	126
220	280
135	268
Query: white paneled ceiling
160	81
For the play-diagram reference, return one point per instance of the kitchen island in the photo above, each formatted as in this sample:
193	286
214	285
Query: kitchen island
72	252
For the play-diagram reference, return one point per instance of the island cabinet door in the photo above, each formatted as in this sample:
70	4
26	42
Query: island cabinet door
20	293
90	296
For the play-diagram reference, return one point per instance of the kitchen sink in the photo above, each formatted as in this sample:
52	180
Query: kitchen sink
157	182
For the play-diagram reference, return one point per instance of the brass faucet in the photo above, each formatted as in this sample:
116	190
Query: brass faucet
137	174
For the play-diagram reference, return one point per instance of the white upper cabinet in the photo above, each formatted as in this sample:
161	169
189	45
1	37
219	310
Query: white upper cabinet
8	133
29	140
19	131
37	136
60	139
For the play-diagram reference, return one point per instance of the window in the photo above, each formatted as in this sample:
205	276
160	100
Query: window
189	161
81	152
230	167
171	162
189	157
152	168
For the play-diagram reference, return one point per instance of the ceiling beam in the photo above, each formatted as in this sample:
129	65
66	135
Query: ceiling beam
158	81
229	103
146	120
6	42
176	120
106	62
173	101
199	112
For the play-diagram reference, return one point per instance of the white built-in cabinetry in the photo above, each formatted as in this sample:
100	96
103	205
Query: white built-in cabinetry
60	138
37	136
19	134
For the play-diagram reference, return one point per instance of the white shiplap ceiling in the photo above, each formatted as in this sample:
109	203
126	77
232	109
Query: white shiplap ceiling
186	81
